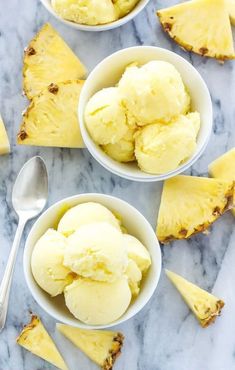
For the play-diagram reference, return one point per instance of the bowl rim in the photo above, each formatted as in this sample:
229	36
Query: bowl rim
31	282
102	27
110	164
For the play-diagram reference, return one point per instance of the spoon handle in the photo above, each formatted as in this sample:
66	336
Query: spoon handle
7	277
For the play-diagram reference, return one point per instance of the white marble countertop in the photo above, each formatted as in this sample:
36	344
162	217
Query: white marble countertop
164	336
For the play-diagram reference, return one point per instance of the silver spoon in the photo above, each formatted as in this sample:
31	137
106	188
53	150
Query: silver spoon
29	197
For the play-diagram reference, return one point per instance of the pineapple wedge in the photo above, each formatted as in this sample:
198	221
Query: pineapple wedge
4	141
201	26
48	59
35	339
205	306
231	10
224	168
190	205
51	118
102	347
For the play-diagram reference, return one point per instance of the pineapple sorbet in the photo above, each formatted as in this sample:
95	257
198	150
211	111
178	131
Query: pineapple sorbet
93	12
89	260
145	118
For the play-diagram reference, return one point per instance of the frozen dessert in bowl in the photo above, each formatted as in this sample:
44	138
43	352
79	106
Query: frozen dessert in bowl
148	117
93	271
95	15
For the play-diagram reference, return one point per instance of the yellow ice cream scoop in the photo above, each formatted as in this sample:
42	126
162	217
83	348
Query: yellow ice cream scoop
97	251
160	148
137	252
124	149
90	12
86	213
47	263
134	276
105	117
153	92
123	7
96	302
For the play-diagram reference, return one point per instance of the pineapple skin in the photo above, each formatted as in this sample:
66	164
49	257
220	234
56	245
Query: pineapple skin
185	234
224	167
48	59
168	24
28	340
212	307
69	136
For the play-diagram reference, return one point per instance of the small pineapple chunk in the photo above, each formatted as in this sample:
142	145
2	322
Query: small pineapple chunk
48	59
224	168
4	141
205	306
201	26
190	204
51	118
102	347
35	339
231	10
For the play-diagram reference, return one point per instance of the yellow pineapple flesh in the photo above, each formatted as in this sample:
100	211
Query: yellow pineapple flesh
102	347
224	168
231	10
35	339
205	306
51	118
48	59
4	141
190	205
201	26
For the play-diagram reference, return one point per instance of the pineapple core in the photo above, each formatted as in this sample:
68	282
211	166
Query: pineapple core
201	26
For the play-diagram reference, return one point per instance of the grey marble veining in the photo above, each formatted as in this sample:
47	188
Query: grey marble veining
164	336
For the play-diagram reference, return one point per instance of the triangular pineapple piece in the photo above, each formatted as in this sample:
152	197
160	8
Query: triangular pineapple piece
201	26
4	141
102	347
35	339
51	118
48	59
224	168
205	306
191	204
231	10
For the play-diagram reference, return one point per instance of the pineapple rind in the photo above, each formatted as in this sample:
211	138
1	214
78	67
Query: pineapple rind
35	339
190	204
224	167
102	347
205	306
207	44
48	59
49	122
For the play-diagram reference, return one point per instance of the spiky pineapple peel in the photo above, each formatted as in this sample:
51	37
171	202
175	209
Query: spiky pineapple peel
205	306
190	204
208	32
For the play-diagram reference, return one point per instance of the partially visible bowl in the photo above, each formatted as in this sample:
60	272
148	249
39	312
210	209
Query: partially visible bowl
134	222
102	27
109	71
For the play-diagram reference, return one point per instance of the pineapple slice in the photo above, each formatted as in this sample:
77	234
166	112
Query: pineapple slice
48	59
205	306
224	168
4	142
102	347
51	118
201	26
231	10
35	339
190	205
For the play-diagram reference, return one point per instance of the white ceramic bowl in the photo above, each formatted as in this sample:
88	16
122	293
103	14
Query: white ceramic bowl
135	223
103	27
108	73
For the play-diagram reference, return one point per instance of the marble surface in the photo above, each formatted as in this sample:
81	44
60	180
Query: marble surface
164	336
